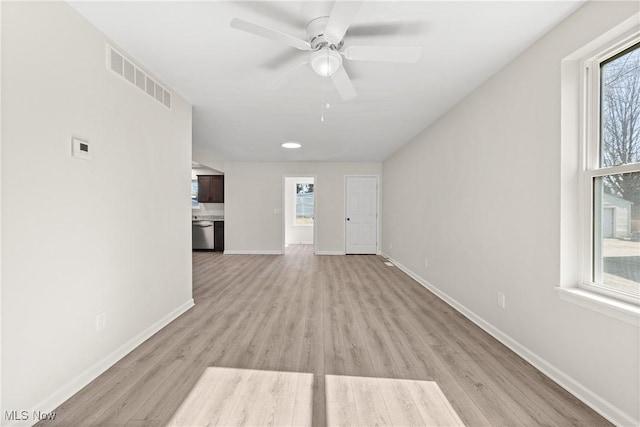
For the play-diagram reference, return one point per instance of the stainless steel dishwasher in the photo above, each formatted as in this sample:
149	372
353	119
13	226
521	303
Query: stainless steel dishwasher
202	234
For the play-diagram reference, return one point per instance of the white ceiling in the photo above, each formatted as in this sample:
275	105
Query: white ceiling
223	72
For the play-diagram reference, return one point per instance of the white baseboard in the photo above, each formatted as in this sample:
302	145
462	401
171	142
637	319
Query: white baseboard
72	387
251	252
330	253
591	399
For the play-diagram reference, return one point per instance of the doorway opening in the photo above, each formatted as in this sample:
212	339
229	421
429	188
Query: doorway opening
299	213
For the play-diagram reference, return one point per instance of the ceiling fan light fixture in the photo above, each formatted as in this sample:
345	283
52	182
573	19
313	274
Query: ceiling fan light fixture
325	62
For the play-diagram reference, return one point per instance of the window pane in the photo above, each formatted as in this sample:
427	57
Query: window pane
305	200
617	232
194	194
620	109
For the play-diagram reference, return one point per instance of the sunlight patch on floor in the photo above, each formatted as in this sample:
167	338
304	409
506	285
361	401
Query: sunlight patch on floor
365	401
247	397
227	396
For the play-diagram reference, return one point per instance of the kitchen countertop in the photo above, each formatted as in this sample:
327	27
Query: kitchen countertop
207	218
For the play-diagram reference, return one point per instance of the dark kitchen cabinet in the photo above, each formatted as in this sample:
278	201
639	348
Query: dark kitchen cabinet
218	236
211	188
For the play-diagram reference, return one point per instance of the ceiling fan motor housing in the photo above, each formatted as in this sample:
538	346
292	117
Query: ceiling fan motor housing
316	37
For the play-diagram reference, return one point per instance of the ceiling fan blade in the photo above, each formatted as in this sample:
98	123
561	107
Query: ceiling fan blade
277	10
383	53
280	81
383	29
343	83
286	56
342	14
269	33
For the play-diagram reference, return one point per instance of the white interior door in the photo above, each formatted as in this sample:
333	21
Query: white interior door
361	219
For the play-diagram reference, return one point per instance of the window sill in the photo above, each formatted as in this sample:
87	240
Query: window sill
623	311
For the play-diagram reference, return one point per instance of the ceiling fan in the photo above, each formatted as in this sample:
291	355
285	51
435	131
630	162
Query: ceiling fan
326	46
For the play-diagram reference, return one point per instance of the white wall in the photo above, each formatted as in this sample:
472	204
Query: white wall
1	199
203	171
295	233
253	191
207	157
478	194
82	237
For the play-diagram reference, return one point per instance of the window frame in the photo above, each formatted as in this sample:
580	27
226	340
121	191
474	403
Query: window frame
590	154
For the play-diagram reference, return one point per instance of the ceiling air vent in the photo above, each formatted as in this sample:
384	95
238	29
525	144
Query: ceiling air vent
140	79
116	62
129	72
167	99
159	91
151	86
120	65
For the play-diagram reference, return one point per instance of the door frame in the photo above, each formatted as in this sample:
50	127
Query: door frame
378	210
315	208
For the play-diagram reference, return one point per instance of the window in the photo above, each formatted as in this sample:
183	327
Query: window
611	178
305	200
194	194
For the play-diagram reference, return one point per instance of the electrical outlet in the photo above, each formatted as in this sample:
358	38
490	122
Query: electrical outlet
101	321
502	300
390	245
426	262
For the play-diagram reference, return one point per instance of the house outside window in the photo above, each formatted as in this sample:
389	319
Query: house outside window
611	178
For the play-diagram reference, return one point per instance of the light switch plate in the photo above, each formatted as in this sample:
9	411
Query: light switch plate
80	149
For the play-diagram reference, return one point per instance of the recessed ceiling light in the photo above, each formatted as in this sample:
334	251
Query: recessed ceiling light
291	145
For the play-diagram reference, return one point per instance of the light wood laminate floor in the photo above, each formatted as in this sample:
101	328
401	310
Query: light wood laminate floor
323	340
